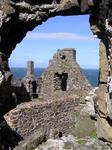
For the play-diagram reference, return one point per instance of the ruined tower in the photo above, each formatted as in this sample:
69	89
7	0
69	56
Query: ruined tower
29	80
63	77
30	68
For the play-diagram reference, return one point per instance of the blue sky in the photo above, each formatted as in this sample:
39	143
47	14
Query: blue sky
56	33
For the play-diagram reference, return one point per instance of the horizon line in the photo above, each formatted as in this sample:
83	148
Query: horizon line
47	67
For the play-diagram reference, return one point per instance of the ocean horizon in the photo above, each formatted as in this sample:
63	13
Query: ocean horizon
90	74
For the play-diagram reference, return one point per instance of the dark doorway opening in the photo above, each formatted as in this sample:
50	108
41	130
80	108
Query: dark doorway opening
60	81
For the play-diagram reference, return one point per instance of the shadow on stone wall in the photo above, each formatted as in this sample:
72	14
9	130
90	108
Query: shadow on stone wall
8	138
20	94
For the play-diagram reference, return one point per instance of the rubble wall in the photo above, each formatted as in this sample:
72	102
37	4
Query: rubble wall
63	77
51	118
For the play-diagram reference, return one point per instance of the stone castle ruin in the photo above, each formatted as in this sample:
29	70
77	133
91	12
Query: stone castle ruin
29	81
60	91
63	77
17	17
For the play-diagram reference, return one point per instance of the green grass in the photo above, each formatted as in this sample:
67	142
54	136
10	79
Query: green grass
93	135
81	141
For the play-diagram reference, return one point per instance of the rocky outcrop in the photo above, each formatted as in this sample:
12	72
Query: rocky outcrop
67	143
71	142
101	26
63	78
91	102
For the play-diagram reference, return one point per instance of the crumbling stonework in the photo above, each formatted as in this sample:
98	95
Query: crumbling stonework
63	77
28	82
101	26
61	90
17	17
38	121
48	117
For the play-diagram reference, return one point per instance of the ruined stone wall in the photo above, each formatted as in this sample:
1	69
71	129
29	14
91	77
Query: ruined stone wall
57	110
63	77
51	118
101	26
18	17
37	121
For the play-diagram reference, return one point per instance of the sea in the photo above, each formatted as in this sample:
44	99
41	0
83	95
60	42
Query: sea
90	74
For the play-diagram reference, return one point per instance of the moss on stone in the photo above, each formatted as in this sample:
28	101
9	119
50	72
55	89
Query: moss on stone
93	134
81	141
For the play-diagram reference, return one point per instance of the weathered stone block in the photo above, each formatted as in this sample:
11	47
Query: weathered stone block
101	98
103	63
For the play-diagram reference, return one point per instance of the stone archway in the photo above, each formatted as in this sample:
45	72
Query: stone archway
20	16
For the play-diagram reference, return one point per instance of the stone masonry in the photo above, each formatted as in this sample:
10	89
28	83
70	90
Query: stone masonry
17	17
28	82
57	110
49	117
63	77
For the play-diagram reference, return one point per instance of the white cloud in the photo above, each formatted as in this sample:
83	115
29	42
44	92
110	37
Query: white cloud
58	36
